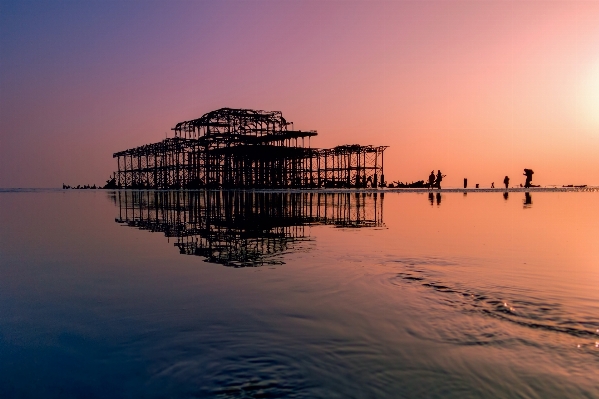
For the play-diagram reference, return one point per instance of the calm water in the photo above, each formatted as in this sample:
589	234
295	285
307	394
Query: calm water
299	295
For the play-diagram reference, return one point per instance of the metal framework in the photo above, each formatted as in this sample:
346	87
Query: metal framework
243	228
233	148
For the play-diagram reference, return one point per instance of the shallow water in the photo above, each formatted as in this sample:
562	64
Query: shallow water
335	295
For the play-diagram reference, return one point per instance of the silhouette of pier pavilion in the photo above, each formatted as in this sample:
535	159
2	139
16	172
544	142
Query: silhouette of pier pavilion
243	148
243	228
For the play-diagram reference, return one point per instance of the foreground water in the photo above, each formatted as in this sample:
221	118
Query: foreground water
299	294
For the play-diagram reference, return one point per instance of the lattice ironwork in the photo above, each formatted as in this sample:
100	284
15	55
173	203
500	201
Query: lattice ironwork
233	148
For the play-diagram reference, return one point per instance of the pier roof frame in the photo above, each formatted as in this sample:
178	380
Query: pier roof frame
218	124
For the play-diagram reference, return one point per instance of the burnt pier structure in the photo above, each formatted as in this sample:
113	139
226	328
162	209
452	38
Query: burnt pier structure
244	148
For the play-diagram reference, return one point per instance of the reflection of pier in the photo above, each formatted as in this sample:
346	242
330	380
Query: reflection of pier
244	228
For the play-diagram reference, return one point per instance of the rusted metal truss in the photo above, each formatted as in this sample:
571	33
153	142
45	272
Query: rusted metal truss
243	228
233	148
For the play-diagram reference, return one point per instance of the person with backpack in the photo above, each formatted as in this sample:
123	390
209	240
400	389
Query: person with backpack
528	173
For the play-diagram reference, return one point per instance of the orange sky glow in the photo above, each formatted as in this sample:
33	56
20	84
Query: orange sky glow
479	90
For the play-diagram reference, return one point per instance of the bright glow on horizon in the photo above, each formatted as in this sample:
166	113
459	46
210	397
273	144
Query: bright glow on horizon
590	97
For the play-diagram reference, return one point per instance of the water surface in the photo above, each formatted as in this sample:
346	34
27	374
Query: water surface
299	294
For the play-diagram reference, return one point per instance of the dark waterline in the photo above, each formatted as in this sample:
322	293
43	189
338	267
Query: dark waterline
299	294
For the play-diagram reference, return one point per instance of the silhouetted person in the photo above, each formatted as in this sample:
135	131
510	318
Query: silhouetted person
439	179
528	173
506	181
438	198
431	198
506	195
431	179
493	185
527	199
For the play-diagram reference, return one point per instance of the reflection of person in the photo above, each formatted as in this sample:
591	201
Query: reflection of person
506	181
438	198
439	179
431	179
527	199
528	173
506	195
431	198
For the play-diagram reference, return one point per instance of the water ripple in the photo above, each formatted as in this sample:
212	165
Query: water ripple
525	312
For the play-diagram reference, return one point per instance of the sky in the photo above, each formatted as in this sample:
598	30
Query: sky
477	89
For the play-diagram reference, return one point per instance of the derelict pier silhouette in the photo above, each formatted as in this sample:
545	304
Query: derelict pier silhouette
244	148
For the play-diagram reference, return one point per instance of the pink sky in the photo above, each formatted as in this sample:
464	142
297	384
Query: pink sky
477	89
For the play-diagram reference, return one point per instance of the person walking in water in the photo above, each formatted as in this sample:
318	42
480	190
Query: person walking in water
439	179
506	181
528	173
431	179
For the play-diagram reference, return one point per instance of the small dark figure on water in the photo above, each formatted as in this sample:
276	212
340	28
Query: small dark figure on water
439	179
506	181
528	173
431	179
493	185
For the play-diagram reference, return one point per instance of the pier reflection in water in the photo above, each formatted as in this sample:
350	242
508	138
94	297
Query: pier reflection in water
244	228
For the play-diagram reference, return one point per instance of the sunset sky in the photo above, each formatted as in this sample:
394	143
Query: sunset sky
478	89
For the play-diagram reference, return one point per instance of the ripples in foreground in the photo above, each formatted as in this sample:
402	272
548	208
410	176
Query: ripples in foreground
305	294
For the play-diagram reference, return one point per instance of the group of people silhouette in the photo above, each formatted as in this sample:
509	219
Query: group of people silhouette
435	181
528	173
